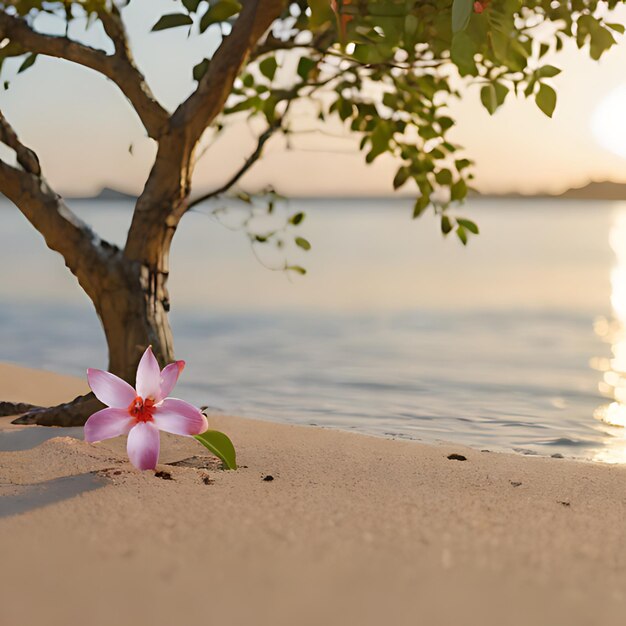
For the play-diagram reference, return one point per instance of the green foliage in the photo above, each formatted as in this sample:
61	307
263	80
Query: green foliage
268	67
200	69
219	11
220	445
546	99
387	70
29	61
302	243
172	20
461	13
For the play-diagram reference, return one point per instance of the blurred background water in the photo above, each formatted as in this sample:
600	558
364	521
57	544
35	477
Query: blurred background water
513	343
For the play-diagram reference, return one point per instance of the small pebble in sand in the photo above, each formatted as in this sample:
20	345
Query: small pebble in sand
457	457
563	502
268	478
558	455
163	475
515	483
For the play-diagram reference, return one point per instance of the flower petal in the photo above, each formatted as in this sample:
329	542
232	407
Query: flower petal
169	376
179	417
148	376
143	446
108	423
110	389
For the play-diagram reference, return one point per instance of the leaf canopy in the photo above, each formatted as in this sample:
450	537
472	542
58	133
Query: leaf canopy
386	69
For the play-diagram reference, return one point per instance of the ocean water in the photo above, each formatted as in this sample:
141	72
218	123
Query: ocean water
513	343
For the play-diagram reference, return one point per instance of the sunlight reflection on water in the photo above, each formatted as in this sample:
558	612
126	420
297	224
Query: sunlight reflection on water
613	332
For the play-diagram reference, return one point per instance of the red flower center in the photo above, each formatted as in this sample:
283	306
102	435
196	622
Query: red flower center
142	409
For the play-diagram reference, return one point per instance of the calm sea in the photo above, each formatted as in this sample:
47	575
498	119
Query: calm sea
515	342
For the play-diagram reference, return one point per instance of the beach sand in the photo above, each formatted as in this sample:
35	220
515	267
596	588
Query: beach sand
351	530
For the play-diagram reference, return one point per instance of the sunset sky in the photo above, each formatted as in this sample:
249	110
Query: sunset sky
82	127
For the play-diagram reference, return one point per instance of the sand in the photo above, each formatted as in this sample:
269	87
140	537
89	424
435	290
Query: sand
351	530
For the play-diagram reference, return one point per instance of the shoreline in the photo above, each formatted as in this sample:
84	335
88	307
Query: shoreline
68	386
352	528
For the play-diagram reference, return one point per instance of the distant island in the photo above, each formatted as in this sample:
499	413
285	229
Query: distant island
597	191
605	190
106	195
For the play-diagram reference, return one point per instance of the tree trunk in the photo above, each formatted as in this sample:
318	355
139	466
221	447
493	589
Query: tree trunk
132	303
134	315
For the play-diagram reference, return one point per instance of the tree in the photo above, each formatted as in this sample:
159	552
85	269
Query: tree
385	68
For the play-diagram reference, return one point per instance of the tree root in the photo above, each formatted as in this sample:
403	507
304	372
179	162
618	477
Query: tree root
74	413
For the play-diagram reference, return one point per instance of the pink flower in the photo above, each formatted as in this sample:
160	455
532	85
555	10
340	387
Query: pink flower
140	413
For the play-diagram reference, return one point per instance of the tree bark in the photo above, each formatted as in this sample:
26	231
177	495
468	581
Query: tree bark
132	303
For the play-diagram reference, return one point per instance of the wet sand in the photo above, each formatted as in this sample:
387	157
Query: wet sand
350	530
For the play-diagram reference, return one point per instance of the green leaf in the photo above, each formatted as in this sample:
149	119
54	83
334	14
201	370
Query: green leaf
445	123
172	20
461	13
191	5
220	445
618	28
446	225
411	24
269	108
458	191
296	219
295	268
321	14
468	224
462	235
268	67
548	71
546	99
28	62
305	66
380	140
462	53
420	205
402	175
501	92
488	98
200	69
601	41
219	12
303	243
444	177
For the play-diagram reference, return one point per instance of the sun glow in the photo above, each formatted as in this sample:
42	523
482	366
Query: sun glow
613	331
608	123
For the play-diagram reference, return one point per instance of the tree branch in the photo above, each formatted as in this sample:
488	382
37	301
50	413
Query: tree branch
248	163
119	67
25	156
62	230
263	138
207	102
164	199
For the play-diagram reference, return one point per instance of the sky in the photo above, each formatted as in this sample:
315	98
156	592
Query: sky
82	127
